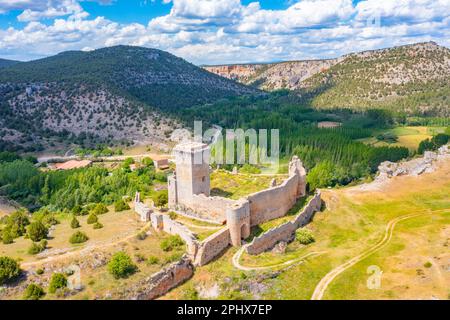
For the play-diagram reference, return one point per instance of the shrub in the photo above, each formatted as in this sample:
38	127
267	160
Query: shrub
171	243
161	176
139	257
97	226
17	223
34	249
387	137
9	270
78	237
50	220
172	258
120	206
304	236
77	210
7	238
147	162
40	271
99	209
74	224
249	169
161	199
152	260
58	281
121	265
141	235
428	264
33	292
173	215
92	219
190	293
37	231
37	247
321	175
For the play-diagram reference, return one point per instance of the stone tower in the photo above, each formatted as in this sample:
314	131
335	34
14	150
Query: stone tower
192	173
296	169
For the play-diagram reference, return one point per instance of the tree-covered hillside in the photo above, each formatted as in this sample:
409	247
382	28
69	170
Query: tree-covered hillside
155	77
414	79
6	63
111	94
331	154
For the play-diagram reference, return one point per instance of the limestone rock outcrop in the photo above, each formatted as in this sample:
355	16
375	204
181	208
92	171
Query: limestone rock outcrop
413	167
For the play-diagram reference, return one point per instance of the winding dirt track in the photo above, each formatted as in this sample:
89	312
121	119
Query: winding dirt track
329	277
237	264
81	252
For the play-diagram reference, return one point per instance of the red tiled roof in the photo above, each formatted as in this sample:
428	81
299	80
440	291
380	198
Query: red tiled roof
73	164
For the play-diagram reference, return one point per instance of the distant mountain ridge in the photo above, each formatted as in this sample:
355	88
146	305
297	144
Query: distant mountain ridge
273	76
133	69
6	63
412	78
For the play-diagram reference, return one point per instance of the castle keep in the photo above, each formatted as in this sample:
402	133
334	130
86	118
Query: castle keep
189	193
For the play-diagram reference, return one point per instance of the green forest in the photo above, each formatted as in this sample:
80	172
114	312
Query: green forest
332	155
22	181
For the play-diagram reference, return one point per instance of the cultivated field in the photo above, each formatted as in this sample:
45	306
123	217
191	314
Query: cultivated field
408	137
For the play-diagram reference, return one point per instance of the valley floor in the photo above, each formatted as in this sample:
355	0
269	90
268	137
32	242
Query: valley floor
400	229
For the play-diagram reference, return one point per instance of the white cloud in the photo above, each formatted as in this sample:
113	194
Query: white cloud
8	5
54	9
415	10
226	31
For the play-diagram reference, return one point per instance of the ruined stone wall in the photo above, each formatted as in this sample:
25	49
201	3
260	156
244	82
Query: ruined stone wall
270	238
304	217
286	231
163	281
275	202
143	211
212	246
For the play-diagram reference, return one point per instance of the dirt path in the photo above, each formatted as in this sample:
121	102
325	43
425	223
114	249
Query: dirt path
238	265
86	250
389	230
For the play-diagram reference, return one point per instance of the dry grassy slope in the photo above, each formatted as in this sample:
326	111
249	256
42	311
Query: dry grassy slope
114	93
353	221
99	112
412	78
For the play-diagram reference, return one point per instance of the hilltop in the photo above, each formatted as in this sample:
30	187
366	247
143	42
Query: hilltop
413	78
6	63
115	93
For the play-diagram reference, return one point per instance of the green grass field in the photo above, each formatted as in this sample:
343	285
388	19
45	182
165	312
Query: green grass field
408	137
236	186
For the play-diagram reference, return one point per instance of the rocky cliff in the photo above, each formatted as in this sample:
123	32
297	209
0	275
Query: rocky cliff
273	76
412	78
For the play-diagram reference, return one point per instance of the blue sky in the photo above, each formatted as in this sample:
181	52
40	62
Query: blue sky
220	31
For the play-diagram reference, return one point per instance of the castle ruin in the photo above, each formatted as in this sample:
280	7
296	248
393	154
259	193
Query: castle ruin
189	193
